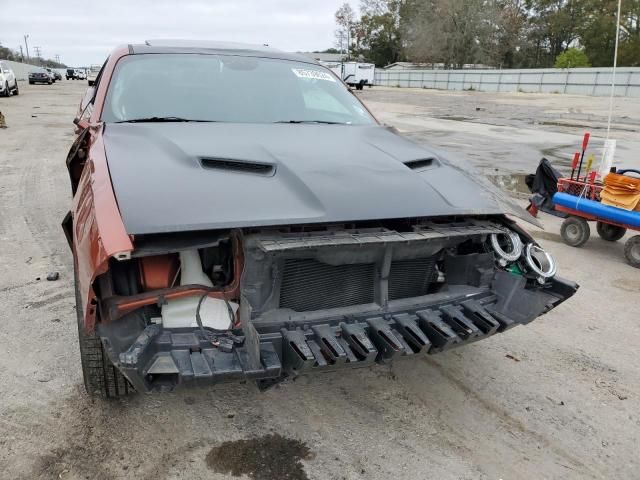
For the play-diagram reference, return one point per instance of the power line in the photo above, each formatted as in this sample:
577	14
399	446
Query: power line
37	49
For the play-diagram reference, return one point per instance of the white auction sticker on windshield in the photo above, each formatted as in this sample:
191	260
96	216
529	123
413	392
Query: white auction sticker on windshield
313	74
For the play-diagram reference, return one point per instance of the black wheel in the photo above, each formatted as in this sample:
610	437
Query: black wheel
575	231
30	82
632	251
16	90
7	92
49	82
101	377
610	233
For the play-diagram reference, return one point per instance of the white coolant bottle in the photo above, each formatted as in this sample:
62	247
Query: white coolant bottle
181	312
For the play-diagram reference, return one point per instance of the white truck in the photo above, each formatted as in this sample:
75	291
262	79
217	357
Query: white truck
354	74
93	74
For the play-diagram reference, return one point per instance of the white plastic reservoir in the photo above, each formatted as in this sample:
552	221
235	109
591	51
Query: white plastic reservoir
181	312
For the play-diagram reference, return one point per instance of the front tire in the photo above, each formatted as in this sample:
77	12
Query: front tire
7	92
16	90
575	231
610	233
101	377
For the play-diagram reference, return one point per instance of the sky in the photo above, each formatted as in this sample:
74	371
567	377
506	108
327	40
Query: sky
83	32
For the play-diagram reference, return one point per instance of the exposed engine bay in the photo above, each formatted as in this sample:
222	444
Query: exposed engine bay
273	303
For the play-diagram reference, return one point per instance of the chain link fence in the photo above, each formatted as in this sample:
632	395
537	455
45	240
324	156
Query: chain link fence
577	81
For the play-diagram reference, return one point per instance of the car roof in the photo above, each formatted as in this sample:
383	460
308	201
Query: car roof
214	47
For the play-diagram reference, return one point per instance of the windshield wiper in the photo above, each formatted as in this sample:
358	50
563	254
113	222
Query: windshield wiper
312	121
162	119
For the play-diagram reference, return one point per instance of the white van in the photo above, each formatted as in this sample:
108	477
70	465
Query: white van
358	75
8	81
354	74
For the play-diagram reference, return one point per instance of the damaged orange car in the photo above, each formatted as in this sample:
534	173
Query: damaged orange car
239	214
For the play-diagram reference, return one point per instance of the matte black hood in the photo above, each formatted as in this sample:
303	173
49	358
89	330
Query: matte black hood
300	173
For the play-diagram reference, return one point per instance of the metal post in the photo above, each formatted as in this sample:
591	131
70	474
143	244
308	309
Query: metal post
613	71
566	80
27	47
540	83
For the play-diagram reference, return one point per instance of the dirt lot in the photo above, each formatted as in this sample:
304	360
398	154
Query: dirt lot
559	398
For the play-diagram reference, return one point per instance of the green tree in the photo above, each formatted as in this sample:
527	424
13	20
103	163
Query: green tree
8	54
572	58
377	33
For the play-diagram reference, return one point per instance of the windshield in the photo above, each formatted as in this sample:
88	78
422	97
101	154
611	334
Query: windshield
228	88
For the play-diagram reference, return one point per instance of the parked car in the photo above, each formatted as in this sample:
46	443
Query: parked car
94	70
55	73
51	74
238	213
40	76
71	74
81	74
8	81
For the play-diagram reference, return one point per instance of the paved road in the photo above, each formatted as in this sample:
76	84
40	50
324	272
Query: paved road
559	398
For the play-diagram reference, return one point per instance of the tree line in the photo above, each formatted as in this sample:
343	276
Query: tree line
8	54
496	33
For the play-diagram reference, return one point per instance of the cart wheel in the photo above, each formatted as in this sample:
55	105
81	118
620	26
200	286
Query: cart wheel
632	251
575	231
610	233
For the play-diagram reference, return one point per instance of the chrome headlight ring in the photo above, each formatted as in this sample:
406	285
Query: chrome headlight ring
505	256
540	262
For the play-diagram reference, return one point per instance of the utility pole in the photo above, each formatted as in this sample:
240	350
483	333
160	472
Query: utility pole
57	58
341	37
26	46
348	40
38	55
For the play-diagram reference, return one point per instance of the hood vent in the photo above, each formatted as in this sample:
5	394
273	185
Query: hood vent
420	163
238	166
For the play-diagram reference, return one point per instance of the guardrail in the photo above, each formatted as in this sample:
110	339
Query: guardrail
21	70
576	81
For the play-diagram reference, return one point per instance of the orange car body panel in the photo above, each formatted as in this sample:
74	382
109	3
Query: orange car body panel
98	230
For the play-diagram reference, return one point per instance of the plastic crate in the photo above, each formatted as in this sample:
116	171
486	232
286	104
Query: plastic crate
580	188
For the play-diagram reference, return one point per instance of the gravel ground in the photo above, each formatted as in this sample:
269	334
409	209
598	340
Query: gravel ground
509	132
559	398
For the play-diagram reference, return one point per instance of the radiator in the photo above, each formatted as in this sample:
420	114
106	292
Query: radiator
308	284
410	278
311	285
